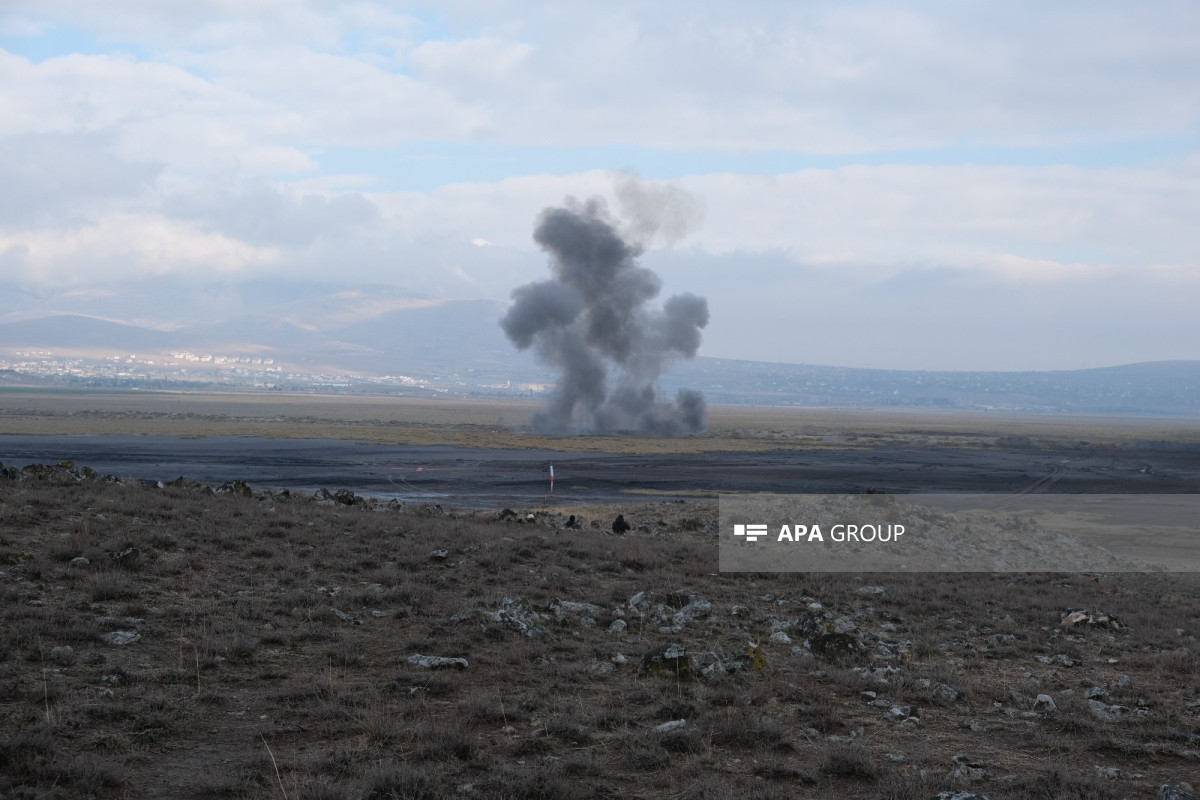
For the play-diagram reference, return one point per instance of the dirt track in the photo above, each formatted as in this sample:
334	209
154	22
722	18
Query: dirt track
484	478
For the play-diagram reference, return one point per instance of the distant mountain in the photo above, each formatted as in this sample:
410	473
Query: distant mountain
78	333
317	331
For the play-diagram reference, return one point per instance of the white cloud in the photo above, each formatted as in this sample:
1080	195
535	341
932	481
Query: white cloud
124	246
207	136
824	77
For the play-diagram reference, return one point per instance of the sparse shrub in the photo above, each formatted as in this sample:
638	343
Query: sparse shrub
849	760
567	730
1062	783
443	739
783	771
745	728
511	785
381	726
390	781
108	585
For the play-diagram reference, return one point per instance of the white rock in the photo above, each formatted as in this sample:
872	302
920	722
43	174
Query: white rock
1044	702
121	638
436	662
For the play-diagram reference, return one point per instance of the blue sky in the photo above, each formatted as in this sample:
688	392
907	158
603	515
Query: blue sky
996	186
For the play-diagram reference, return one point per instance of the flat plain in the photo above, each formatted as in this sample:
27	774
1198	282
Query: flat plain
495	423
203	641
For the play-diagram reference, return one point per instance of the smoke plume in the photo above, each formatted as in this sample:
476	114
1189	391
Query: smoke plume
592	324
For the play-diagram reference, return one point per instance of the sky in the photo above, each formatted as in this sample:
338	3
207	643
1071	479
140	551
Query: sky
908	185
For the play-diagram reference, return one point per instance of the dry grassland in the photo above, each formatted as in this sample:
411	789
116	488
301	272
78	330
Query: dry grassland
504	424
272	636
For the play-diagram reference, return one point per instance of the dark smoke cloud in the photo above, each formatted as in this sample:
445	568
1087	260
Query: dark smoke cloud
591	322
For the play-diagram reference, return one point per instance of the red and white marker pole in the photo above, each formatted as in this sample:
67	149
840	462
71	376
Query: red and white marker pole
551	479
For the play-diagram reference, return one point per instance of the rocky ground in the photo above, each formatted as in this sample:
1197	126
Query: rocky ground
193	641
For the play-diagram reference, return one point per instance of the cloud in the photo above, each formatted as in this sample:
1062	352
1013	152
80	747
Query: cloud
149	111
258	213
60	178
814	78
215	136
959	217
125	246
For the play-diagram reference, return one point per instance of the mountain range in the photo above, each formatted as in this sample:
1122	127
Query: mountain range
318	329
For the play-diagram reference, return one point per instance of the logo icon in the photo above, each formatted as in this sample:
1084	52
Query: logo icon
752	533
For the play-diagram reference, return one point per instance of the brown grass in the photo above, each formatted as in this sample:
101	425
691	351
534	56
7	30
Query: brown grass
504	424
275	640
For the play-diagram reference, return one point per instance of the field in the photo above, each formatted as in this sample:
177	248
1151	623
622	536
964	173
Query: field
503	424
189	643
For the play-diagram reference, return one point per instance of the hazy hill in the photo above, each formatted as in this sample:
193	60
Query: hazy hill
327	329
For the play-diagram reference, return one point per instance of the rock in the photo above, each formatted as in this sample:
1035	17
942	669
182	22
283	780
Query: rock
584	613
617	626
572	523
236	488
882	676
752	657
667	727
439	555
516	613
671	661
870	590
322	497
1180	791
1062	658
960	796
696	609
346	497
80	561
121	638
129	557
1105	712
1044	702
344	617
836	646
967	768
1095	693
620	525
781	637
1082	616
810	624
945	693
436	662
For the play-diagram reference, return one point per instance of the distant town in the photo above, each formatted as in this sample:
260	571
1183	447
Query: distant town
1170	388
187	370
